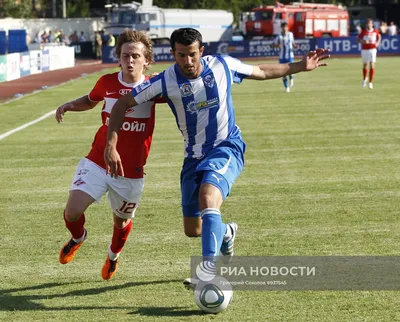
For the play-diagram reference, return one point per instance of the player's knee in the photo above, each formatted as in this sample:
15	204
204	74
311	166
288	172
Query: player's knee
72	213
193	231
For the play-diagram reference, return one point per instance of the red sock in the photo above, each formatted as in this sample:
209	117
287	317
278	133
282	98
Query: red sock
76	227
371	74
365	73
119	238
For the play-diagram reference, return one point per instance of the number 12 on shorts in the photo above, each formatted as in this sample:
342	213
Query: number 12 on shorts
127	207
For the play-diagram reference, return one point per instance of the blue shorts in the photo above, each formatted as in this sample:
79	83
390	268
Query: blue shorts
220	167
286	61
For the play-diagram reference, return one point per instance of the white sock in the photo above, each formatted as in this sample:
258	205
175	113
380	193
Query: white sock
79	240
111	255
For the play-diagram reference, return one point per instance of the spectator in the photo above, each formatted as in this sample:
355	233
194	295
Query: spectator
383	28
97	44
111	40
392	29
358	28
38	39
45	37
51	37
82	37
73	38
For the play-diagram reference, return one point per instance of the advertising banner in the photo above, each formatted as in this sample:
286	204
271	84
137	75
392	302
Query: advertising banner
3	68
45	60
35	61
25	64
13	70
108	55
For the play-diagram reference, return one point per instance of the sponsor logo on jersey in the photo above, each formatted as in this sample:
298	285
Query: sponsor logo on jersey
124	91
186	90
129	110
109	93
209	81
134	126
142	86
195	107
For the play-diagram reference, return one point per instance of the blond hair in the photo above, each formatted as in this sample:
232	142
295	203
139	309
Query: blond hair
135	36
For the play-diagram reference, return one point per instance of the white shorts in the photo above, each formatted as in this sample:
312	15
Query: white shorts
368	55
123	193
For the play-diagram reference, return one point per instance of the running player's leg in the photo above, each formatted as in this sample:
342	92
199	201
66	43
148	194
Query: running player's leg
372	67
124	196
87	187
365	59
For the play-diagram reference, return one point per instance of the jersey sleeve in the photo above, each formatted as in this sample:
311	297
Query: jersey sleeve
238	69
97	92
149	90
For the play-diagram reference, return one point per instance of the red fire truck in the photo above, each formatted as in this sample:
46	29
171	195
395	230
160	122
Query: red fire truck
304	20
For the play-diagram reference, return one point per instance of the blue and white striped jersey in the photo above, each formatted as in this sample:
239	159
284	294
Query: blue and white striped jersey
286	52
203	107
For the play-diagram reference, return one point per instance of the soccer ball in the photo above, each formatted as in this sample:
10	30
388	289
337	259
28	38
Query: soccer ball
213	296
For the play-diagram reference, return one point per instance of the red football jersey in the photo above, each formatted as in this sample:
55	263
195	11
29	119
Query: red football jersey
134	139
370	38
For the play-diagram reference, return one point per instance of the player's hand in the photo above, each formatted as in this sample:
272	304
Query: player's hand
61	111
313	59
113	162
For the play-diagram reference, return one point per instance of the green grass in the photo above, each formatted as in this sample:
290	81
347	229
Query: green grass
321	178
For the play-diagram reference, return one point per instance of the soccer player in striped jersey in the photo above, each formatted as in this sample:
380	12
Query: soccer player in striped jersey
199	92
90	183
285	41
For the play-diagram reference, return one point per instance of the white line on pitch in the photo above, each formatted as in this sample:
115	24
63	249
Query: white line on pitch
19	128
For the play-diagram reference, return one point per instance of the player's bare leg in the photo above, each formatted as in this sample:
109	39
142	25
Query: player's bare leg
122	228
371	74
74	218
365	72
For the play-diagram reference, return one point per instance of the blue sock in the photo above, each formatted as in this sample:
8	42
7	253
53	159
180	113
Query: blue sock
285	82
213	231
291	77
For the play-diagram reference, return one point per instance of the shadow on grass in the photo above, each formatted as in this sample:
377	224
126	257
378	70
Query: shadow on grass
14	302
166	311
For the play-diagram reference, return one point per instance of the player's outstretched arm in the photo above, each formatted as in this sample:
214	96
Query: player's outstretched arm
80	104
310	61
111	155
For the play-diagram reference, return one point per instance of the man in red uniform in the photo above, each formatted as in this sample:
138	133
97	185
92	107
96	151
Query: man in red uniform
91	182
370	39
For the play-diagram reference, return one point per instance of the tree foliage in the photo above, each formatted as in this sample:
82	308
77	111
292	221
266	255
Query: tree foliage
17	9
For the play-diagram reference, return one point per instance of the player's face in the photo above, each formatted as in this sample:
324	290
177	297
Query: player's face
370	24
132	59
188	59
286	29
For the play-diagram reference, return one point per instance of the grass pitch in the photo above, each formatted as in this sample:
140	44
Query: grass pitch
321	178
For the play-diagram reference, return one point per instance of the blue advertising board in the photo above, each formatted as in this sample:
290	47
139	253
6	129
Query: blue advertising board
349	46
263	48
108	55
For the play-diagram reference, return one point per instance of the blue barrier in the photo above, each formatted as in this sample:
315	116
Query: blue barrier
263	48
3	42
17	41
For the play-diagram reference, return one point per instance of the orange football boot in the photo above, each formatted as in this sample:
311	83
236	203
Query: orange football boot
109	268
67	253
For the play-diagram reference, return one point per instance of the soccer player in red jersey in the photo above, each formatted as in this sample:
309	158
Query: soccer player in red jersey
370	39
134	51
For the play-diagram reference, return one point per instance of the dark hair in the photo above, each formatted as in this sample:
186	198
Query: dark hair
284	24
186	37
